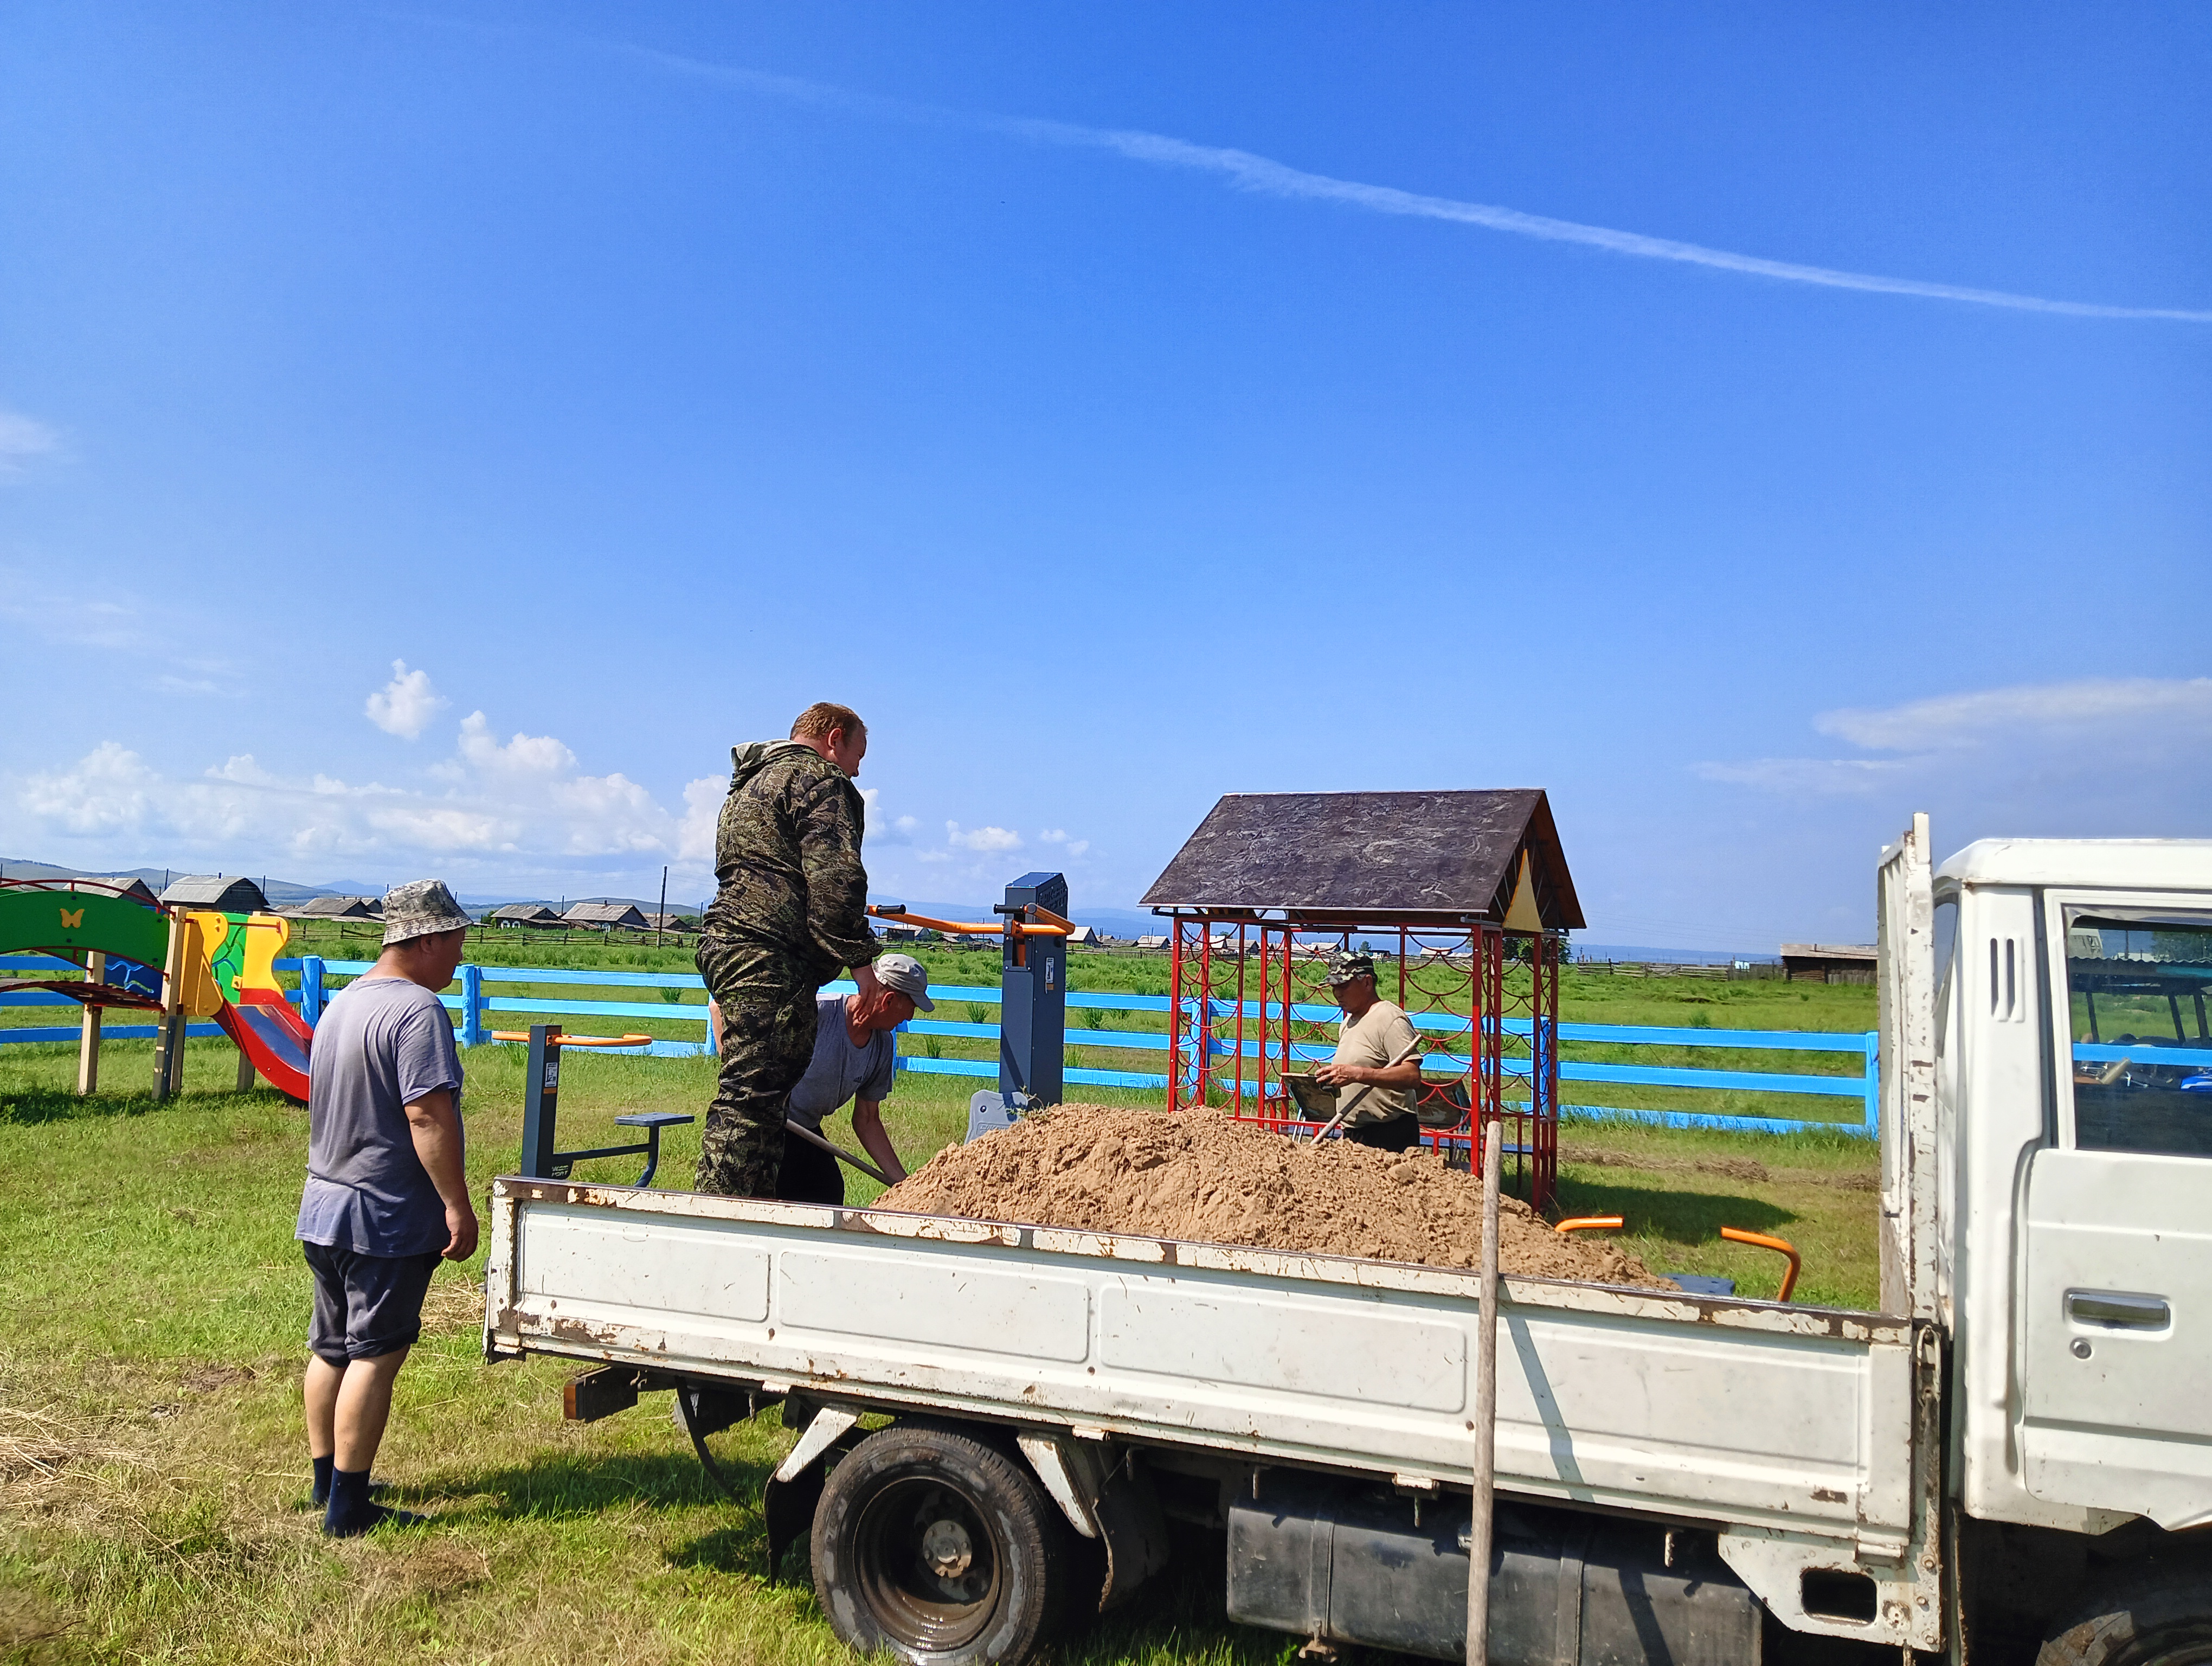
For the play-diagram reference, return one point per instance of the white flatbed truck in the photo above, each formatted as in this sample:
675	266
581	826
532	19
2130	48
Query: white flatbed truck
2012	1460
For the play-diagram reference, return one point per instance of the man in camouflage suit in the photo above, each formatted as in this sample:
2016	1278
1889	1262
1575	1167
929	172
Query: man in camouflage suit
791	913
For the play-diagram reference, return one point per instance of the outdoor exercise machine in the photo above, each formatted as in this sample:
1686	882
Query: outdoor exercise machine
541	1106
1034	927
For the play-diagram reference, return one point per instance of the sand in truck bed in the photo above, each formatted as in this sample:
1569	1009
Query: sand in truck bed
1201	1176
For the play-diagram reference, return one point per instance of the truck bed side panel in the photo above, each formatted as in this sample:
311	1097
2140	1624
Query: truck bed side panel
1776	1417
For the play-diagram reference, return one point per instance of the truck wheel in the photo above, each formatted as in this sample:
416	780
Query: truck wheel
2158	1613
937	1548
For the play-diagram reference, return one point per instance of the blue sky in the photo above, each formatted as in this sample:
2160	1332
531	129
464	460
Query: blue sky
1120	406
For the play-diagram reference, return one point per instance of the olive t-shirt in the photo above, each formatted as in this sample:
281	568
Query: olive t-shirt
1383	1032
383	1042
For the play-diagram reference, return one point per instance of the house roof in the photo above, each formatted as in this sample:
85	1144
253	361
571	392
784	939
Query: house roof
340	908
210	891
522	911
1865	951
1378	857
121	884
604	914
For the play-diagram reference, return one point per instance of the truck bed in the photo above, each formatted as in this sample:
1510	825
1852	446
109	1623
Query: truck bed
1737	1413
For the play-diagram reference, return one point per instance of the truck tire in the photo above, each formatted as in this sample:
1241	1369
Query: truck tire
2158	1612
933	1546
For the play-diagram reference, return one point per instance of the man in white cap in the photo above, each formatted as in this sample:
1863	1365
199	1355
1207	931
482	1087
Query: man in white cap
855	1058
385	1197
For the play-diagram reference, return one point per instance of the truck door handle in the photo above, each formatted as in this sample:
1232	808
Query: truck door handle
2111	1309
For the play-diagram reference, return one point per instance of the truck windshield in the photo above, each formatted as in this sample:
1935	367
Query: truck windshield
2136	984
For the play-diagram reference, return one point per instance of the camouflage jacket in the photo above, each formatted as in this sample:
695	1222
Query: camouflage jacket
787	853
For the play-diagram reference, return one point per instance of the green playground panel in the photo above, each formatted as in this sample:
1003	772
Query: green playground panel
76	923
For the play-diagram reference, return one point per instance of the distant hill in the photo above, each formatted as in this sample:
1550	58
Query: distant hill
279	892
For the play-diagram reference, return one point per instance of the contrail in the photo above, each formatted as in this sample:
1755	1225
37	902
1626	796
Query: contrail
1262	173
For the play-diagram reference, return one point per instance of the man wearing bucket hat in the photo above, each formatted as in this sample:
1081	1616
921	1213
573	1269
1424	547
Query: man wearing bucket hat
385	1198
1374	1071
853	1059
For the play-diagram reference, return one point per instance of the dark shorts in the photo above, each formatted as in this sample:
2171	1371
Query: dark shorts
810	1174
1398	1134
366	1305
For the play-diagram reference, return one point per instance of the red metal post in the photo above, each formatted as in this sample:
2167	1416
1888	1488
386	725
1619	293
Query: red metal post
1175	1020
1204	1034
1236	1106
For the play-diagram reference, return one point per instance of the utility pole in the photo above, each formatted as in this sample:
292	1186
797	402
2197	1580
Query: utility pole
663	915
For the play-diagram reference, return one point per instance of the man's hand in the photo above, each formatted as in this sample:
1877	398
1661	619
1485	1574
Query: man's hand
865	976
1330	1074
460	1232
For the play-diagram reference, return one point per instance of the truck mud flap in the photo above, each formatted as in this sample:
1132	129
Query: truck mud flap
1344	1563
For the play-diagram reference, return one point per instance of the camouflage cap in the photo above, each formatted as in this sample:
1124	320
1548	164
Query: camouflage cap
1346	964
420	908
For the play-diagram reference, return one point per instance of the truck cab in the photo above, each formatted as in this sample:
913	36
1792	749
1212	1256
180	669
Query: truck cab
2068	1261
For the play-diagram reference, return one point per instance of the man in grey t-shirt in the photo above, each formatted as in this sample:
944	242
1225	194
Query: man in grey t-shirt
853	1059
385	1197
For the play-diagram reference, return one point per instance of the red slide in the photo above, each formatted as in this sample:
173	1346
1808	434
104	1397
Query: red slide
275	1038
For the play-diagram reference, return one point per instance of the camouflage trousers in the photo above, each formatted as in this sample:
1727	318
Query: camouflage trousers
767	998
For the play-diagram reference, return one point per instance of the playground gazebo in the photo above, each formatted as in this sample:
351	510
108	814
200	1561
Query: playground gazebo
1462	897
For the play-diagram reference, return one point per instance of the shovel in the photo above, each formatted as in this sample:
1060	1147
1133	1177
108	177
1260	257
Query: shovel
836	1151
1411	1048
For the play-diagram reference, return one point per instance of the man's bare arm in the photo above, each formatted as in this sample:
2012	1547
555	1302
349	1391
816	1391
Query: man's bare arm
437	1134
868	1124
1406	1072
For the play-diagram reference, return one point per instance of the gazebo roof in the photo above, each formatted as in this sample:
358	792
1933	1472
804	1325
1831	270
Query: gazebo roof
1378	858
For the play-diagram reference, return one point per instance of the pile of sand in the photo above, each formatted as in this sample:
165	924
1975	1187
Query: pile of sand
1200	1177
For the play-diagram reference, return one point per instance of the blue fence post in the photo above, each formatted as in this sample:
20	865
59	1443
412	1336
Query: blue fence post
1874	1083
311	990
473	1030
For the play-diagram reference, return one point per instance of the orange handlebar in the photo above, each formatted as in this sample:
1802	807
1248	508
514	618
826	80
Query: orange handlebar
573	1041
960	928
1590	1224
1760	1241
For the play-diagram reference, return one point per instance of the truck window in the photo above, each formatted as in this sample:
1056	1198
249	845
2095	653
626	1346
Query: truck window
2136	985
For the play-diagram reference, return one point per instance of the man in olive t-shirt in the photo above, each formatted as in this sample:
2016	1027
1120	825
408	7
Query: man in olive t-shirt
1375	1096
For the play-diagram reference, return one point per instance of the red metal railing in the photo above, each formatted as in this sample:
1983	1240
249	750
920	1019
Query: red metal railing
1457	971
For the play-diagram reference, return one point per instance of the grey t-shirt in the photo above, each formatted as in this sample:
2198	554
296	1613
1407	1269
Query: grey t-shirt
839	1071
382	1042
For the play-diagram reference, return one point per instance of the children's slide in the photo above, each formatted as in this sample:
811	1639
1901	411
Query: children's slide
274	1037
227	961
230	977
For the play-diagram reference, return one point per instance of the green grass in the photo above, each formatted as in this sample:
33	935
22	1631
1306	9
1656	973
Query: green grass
151	1325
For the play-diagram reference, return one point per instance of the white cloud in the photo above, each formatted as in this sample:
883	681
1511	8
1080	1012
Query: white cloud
524	797
24	442
1245	171
2116	728
703	812
982	839
406	705
525	755
897	830
1059	836
1965	720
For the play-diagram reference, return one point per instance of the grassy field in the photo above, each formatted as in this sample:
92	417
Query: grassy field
152	1469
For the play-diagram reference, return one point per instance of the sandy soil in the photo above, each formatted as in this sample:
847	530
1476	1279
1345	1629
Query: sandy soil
1200	1177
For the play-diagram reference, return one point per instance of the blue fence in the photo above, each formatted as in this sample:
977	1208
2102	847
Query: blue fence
482	996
